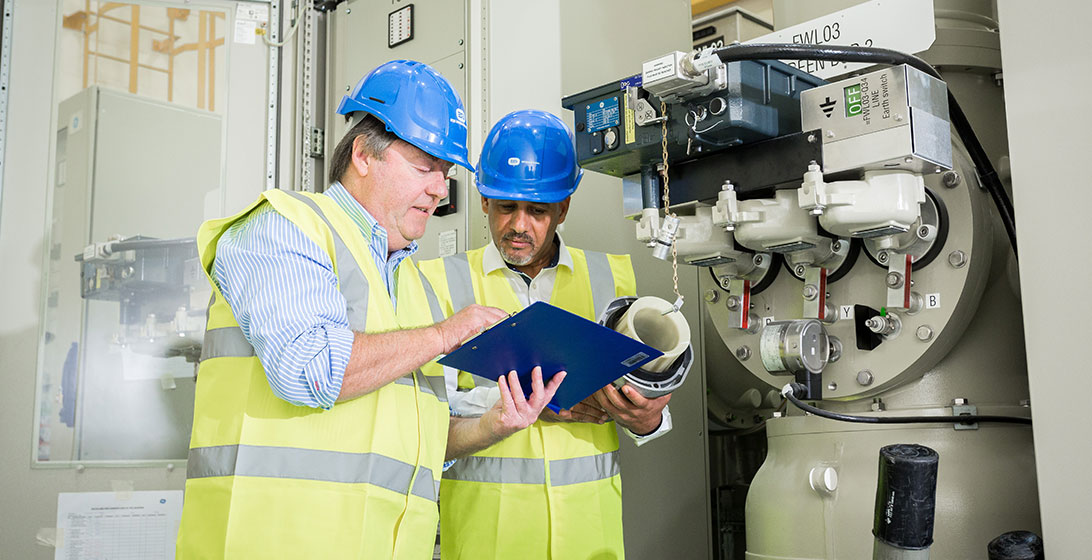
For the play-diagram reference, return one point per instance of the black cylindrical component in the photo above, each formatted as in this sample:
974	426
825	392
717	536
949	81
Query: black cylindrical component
650	187
906	492
1016	545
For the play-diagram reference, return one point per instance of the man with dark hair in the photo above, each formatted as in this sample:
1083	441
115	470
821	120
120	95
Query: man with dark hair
321	421
563	474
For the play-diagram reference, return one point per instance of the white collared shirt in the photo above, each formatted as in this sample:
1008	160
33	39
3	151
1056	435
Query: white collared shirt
475	402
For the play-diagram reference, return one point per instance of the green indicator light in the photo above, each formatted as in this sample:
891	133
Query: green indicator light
853	100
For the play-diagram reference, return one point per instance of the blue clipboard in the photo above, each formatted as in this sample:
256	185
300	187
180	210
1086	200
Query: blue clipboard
543	335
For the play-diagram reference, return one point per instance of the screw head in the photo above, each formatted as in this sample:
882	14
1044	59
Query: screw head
743	353
460	41
711	296
893	280
758	260
923	231
732	303
957	258
460	66
836	246
725	282
908	159
864	377
882	257
811	139
799	270
925	333
951	179
810	292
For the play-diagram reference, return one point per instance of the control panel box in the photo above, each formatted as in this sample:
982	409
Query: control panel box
895	118
760	100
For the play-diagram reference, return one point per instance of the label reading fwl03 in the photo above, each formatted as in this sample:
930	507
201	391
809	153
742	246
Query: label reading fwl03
603	114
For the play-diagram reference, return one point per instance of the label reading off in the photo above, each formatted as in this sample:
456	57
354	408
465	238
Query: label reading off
853	100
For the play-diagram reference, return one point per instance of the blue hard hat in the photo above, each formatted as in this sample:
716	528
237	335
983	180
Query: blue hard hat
417	104
528	155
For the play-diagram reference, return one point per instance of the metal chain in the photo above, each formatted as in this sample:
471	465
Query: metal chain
667	202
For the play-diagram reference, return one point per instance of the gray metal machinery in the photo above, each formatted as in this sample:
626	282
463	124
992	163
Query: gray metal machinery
856	264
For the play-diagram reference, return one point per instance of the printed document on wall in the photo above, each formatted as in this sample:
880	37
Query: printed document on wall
117	525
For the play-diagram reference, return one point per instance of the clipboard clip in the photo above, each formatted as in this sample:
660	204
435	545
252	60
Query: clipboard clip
675	307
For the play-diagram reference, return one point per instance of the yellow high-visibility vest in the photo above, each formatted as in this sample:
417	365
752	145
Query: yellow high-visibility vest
268	479
552	490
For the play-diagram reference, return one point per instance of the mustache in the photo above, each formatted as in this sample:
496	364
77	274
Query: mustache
521	237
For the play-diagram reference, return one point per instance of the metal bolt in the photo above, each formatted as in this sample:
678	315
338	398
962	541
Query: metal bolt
347	88
725	282
758	260
908	159
811	139
836	246
893	280
348	11
923	232
864	377
732	303
925	333
832	386
711	296
882	257
460	66
959	401
810	292
951	179
727	186
799	270
958	259
460	41
830	134
743	353
898	118
878	405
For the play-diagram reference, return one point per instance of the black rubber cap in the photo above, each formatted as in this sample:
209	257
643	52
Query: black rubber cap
906	493
1016	545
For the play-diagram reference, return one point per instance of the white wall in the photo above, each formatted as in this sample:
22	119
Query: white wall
1045	83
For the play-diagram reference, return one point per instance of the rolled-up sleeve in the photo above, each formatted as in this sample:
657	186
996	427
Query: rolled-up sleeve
283	291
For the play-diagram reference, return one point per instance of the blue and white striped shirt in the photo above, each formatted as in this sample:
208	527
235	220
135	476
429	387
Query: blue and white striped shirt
283	291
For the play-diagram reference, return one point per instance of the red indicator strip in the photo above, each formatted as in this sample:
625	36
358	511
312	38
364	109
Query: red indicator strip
906	282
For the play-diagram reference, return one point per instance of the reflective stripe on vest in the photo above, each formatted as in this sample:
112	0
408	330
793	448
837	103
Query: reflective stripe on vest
350	279
310	464
225	342
430	384
514	470
459	285
602	281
